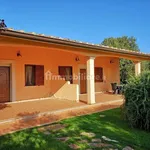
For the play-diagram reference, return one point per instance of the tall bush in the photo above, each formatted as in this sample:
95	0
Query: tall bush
137	101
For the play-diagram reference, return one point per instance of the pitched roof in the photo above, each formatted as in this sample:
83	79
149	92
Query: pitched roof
43	37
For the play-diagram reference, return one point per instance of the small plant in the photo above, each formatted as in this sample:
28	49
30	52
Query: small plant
137	101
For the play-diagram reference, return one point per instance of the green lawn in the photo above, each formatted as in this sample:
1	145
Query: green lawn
109	124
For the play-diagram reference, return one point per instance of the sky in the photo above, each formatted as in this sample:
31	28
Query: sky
84	20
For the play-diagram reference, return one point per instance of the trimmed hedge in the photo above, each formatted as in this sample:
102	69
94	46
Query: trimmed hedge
137	101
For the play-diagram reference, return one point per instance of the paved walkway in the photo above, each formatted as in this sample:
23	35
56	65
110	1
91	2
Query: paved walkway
17	116
21	109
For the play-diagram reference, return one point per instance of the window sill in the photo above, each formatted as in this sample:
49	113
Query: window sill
34	86
99	81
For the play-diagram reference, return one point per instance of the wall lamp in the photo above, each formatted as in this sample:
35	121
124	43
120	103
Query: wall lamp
77	59
19	54
112	61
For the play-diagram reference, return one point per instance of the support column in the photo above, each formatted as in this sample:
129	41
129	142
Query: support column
90	81
137	68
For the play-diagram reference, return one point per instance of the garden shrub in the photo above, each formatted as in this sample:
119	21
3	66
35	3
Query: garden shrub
137	101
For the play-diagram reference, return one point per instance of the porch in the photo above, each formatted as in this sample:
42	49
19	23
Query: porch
26	114
34	107
102	97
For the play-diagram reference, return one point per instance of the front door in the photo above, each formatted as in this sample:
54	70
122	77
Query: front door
83	83
4	84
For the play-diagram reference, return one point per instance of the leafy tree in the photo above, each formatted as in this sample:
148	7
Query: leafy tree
124	42
146	66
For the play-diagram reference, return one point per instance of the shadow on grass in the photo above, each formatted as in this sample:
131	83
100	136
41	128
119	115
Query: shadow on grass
30	140
111	126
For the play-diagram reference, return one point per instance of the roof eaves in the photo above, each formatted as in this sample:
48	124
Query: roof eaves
86	44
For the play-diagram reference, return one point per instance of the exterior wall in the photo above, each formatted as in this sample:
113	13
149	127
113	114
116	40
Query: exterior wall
51	59
111	73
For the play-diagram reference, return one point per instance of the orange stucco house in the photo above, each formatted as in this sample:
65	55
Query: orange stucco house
35	66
